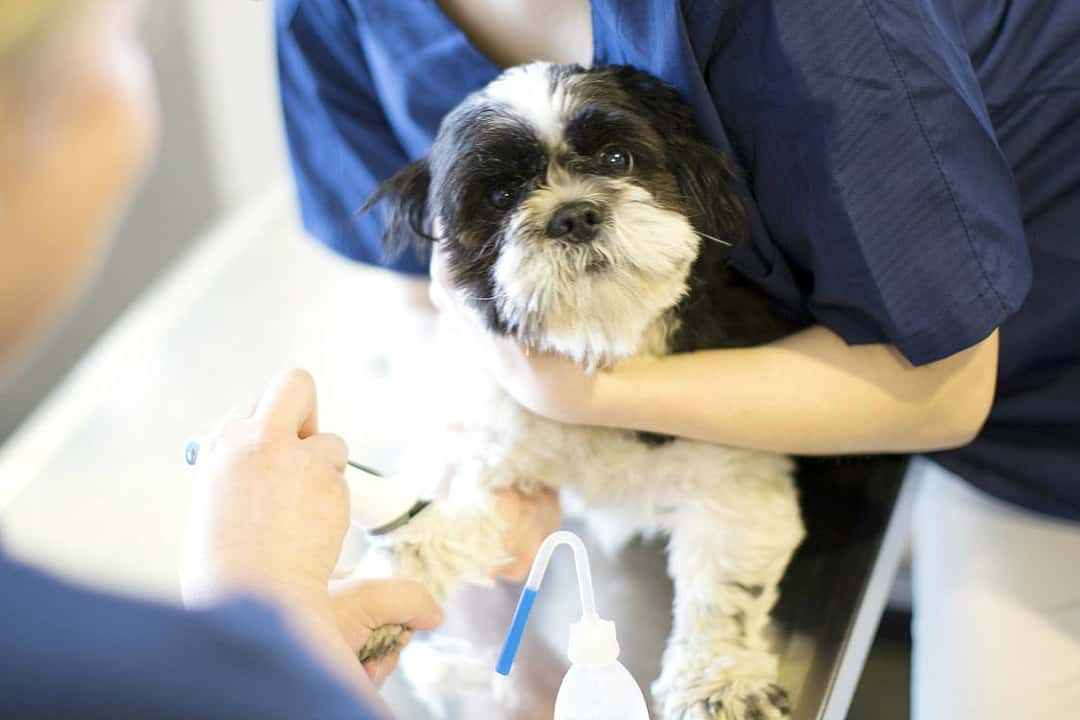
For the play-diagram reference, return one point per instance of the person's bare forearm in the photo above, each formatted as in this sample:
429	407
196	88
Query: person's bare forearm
808	394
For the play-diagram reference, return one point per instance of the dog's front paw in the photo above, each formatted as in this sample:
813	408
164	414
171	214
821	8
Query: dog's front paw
441	550
383	641
736	684
734	700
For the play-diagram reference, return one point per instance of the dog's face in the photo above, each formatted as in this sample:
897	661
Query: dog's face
571	205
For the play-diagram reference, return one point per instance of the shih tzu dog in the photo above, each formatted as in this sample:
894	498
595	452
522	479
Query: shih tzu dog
580	212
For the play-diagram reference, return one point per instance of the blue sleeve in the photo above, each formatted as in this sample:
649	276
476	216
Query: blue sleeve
72	653
339	141
875	166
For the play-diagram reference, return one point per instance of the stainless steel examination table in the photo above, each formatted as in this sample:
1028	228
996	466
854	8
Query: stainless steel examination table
94	486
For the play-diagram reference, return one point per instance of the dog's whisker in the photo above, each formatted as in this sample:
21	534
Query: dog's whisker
715	239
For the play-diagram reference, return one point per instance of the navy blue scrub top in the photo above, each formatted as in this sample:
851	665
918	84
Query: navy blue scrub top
914	169
67	652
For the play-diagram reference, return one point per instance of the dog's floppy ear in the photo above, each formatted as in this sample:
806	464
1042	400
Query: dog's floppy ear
705	175
405	199
711	189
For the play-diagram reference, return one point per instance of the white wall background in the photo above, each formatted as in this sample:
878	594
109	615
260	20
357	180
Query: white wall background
231	49
221	147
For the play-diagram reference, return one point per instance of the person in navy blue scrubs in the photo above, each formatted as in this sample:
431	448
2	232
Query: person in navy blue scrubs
265	637
913	178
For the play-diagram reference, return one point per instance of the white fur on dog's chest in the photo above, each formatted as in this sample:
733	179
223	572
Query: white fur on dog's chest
613	470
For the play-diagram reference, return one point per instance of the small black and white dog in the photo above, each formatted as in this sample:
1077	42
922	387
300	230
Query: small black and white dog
582	214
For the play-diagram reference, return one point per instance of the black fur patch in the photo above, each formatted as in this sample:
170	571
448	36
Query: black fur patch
753	709
405	219
655	439
481	152
722	310
779	699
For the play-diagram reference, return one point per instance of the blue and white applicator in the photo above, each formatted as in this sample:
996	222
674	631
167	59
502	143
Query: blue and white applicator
597	685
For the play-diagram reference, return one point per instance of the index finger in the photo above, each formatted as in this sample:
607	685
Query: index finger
288	404
389	601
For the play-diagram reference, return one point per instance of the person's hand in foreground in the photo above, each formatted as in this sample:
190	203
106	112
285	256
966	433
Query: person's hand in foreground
360	606
269	514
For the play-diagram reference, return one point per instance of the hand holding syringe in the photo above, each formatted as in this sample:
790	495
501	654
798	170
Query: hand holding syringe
268	516
376	504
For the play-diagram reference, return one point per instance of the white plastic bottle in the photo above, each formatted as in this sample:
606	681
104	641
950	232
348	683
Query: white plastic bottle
597	686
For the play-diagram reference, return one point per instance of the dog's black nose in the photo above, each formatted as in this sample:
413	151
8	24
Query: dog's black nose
578	221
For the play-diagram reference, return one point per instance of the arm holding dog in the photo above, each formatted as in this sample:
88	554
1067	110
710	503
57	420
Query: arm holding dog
809	393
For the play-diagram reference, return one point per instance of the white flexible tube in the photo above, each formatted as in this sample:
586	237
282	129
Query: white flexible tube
589	619
581	564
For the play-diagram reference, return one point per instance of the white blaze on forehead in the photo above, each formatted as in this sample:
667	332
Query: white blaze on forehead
530	92
560	187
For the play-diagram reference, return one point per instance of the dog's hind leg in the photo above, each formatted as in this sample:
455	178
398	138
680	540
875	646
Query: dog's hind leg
726	563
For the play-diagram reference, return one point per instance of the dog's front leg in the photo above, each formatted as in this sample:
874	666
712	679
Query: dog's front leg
443	547
726	569
457	539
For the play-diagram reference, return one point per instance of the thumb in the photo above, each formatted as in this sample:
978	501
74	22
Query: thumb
390	601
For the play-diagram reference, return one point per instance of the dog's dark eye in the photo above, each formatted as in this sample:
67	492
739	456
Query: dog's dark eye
615	159
501	199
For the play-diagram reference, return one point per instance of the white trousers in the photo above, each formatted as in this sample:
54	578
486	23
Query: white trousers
997	606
